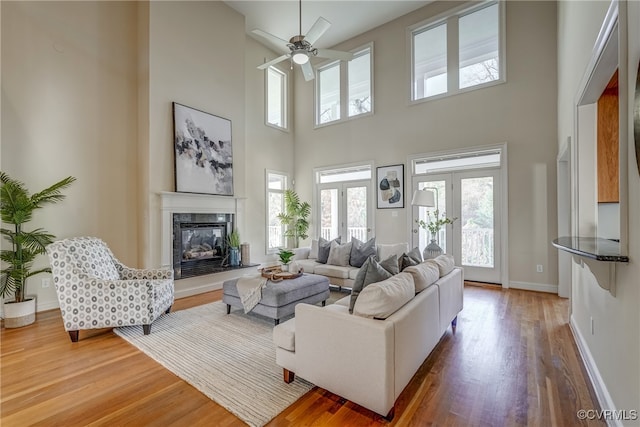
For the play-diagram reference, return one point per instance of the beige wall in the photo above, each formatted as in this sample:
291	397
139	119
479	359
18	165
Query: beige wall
521	113
69	108
613	350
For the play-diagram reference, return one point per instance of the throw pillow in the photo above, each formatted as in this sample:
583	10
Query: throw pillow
339	254
360	251
413	257
313	252
370	272
386	250
445	264
391	264
324	247
380	300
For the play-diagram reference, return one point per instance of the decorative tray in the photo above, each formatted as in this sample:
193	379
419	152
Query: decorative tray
275	274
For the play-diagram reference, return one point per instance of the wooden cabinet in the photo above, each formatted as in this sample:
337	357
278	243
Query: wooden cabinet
608	137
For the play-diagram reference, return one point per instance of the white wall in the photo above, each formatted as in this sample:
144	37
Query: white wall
69	108
521	113
614	348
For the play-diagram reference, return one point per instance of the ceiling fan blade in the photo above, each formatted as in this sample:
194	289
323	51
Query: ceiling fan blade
317	30
273	39
307	71
273	61
335	54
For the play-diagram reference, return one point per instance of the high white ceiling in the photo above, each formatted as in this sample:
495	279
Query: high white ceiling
347	18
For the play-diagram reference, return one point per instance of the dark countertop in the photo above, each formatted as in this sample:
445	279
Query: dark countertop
592	247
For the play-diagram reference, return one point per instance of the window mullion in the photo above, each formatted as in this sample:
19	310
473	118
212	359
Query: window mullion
453	55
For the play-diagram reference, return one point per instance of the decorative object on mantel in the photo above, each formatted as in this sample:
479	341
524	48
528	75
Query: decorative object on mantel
295	217
203	152
390	184
433	226
234	248
16	208
245	253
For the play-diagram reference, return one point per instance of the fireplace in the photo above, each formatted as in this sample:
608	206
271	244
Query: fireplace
200	243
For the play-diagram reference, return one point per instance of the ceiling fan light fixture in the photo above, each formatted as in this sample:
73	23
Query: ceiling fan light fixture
300	56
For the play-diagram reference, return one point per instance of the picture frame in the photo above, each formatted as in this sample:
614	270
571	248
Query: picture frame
203	152
390	187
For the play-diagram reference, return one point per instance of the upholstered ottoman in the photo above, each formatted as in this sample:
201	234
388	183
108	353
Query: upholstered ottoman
279	299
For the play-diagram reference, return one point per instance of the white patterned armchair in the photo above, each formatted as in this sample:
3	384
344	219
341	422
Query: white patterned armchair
95	290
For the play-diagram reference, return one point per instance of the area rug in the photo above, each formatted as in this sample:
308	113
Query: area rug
229	358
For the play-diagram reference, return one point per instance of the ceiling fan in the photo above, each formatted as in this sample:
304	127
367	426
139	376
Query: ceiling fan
300	47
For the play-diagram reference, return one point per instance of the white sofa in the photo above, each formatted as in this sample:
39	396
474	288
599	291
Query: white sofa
338	275
377	358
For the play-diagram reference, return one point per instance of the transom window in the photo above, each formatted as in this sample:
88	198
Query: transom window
455	53
276	108
347	84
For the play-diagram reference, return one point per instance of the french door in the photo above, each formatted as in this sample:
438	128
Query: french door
473	197
344	210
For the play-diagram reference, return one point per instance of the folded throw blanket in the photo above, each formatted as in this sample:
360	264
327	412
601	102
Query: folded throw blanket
250	291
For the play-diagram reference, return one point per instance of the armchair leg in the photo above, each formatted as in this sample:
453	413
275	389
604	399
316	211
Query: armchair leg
146	329
168	310
74	335
288	376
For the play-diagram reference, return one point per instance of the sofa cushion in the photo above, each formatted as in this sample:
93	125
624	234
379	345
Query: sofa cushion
339	253
313	251
386	250
324	247
284	335
370	272
343	301
413	257
332	270
445	264
308	265
360	251
424	274
353	272
381	299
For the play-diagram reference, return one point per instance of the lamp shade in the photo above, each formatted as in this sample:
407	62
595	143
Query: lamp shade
423	198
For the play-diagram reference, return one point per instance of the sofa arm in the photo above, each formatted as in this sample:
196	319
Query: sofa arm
348	355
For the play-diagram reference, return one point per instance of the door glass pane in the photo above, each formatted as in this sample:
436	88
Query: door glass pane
276	202
357	213
478	36
424	237
476	220
329	213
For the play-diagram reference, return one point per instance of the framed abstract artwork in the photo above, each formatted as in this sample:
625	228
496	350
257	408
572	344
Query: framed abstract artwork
390	186
203	152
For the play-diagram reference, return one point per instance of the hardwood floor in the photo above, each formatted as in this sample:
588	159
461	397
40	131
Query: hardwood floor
511	362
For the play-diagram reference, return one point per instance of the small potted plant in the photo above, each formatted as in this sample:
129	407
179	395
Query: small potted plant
285	256
16	208
233	239
433	225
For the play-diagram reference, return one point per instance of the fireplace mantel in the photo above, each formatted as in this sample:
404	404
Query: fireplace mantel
172	202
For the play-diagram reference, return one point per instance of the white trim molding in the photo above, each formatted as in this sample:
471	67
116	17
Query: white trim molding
602	393
537	287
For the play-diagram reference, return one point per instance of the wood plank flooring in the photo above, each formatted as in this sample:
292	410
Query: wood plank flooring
511	362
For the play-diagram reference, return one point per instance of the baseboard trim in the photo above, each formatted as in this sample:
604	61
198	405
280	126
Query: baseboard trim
538	287
195	290
602	393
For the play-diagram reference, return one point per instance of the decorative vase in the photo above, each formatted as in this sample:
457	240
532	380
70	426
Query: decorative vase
432	250
18	314
234	257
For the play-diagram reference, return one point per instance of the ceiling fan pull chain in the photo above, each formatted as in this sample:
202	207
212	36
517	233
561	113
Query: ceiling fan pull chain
300	18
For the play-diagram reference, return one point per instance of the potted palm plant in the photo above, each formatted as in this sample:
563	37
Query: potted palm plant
16	208
295	217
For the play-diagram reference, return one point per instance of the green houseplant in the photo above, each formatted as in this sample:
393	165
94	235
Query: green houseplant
285	256
233	239
16	208
295	217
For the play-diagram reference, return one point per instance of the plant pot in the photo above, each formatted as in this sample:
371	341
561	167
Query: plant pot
19	314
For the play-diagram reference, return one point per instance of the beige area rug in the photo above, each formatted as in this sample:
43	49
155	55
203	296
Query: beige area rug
229	358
